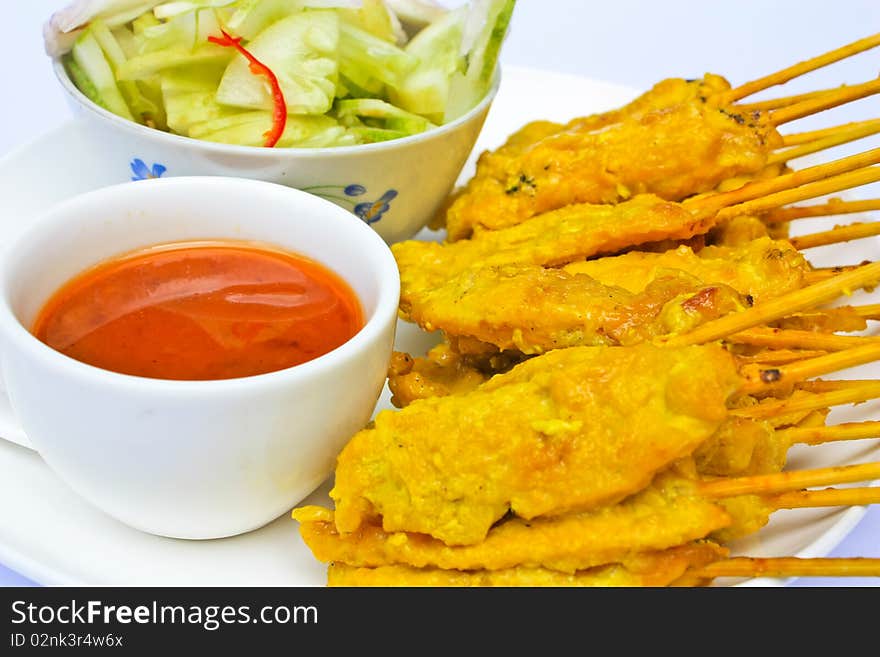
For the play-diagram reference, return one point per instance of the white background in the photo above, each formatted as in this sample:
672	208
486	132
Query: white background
631	42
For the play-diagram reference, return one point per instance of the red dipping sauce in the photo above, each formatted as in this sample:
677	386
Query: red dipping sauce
201	311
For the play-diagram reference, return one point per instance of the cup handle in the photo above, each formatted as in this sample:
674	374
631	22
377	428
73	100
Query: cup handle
10	429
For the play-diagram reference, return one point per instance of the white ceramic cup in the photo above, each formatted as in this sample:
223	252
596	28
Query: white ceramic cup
199	459
395	186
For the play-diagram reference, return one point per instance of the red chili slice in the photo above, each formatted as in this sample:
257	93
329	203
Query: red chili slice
279	115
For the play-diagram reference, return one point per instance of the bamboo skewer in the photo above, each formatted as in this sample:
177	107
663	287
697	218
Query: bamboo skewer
787	304
783	482
837	433
812	106
871	311
779	356
794	194
782	491
843	135
813	402
796	339
713	203
829	363
832	208
824	273
782	567
759	378
814	499
836	235
798	138
783	101
801	68
821	386
842	318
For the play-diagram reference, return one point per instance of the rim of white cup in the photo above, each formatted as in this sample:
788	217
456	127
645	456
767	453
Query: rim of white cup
19	337
258	151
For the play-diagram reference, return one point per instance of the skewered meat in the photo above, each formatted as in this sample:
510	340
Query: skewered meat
652	569
674	142
568	431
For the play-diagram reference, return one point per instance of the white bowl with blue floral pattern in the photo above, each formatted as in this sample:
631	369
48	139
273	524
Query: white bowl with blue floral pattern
394	186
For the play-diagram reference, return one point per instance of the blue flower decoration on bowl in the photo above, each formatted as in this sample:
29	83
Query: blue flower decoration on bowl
142	172
355	190
368	211
371	212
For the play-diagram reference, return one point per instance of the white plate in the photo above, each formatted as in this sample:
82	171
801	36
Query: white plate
50	535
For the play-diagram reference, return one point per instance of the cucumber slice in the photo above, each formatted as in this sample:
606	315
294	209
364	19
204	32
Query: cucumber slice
409	125
147	65
301	50
90	58
249	129
375	17
188	96
81	80
139	104
208	23
188	109
108	43
178	32
203	77
253	16
374	120
374	108
417	14
485	31
333	136
126	39
342	91
257	119
143	23
359	81
373	88
314	132
152	89
425	91
171	9
364	55
368	135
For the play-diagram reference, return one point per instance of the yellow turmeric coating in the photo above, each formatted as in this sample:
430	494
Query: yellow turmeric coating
742	447
651	569
572	233
610	300
568	431
761	268
666	514
453	367
749	513
739	231
667	93
443	372
675	145
845	319
532	310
